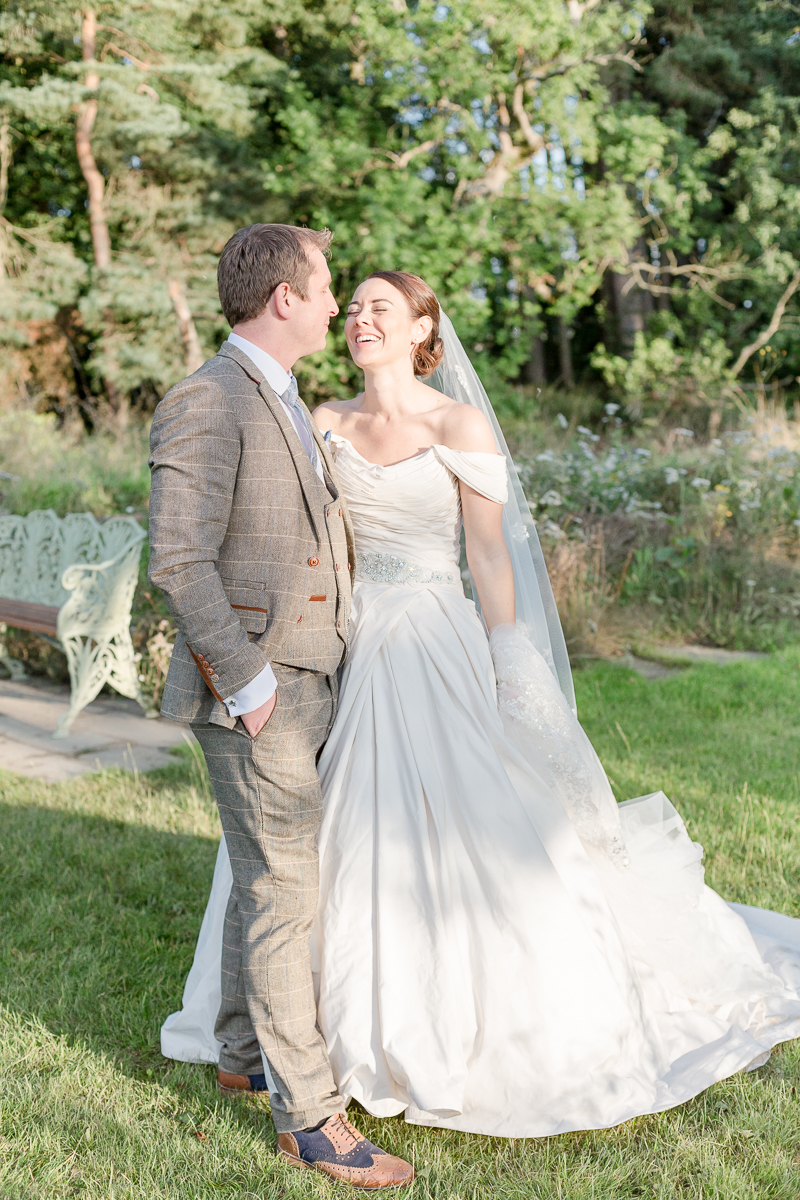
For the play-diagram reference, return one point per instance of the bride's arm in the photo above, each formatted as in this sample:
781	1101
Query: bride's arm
488	557
487	553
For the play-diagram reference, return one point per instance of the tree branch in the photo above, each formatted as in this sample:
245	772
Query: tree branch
641	275
577	10
142	66
534	139
601	60
399	161
763	338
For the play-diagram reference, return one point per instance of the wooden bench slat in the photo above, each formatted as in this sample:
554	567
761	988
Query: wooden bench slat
39	618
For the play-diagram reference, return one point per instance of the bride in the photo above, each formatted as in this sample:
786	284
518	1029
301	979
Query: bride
499	947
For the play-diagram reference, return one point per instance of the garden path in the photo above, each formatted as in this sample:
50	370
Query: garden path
110	732
659	662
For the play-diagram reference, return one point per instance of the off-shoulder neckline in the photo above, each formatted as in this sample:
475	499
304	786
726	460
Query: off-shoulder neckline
414	457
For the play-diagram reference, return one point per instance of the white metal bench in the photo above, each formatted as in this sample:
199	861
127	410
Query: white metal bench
71	580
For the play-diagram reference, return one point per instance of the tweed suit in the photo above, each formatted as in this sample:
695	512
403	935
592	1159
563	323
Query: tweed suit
255	555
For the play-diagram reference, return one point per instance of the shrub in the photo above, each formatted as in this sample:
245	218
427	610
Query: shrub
709	533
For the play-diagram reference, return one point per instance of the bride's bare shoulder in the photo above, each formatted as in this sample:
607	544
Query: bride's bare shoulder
466	428
332	413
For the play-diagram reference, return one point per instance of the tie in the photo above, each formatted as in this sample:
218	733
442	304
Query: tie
302	422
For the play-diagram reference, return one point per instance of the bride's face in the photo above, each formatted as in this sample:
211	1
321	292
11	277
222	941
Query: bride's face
380	328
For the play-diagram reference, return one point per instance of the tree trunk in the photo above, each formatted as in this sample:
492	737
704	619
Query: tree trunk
87	113
5	162
535	370
191	342
5	159
632	308
565	353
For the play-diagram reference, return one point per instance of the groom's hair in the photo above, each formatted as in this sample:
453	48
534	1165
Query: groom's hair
260	257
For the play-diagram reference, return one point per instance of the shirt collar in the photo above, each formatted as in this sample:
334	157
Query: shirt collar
276	376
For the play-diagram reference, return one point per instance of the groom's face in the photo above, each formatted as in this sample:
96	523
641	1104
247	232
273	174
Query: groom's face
311	317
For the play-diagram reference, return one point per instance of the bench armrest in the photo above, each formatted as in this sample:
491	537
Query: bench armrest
102	594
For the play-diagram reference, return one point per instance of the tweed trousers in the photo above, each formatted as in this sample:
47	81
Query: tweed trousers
270	805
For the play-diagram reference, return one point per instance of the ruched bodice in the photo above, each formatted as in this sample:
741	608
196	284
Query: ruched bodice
407	516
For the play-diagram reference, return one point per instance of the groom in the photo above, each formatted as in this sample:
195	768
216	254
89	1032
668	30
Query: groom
253	547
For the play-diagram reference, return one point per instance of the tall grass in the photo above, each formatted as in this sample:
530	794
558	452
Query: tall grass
44	466
700	538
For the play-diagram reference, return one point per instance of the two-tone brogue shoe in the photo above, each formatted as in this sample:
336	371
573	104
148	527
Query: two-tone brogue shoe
338	1150
240	1085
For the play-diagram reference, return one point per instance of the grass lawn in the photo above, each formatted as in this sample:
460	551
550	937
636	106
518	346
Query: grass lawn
103	882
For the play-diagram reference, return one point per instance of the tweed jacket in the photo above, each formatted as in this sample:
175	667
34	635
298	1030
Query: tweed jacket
254	552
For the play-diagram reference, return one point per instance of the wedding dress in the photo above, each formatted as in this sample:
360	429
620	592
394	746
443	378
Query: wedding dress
499	947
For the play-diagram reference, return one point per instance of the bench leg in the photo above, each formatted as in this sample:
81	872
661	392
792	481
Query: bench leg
14	667
124	676
93	663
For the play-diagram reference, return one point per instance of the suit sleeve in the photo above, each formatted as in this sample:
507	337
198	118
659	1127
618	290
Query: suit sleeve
194	457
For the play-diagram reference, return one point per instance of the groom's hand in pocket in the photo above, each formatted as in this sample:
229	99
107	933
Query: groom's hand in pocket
255	721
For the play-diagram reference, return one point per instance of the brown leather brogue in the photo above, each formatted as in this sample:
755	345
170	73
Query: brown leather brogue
238	1085
338	1150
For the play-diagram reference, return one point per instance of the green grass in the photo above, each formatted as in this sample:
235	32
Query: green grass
102	888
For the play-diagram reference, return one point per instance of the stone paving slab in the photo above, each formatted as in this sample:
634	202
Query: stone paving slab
699	654
646	668
659	662
110	732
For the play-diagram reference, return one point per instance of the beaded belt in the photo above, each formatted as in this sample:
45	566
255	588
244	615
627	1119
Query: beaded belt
390	568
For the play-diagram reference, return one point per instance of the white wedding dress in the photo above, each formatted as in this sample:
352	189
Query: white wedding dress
499	947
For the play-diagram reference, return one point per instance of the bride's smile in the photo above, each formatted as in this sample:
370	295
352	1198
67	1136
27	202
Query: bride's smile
380	329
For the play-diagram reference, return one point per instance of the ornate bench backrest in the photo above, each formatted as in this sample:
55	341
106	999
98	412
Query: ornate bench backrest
36	550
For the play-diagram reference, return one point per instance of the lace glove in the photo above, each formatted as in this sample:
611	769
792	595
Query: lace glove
536	714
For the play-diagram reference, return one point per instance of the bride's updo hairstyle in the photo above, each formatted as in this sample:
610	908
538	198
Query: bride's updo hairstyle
422	302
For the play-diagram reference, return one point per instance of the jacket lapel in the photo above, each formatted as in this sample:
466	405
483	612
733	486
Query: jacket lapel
315	491
330	472
326	458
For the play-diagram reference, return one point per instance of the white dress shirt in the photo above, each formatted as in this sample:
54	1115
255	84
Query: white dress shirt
261	689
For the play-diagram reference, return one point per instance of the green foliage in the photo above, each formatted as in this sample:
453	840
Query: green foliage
520	158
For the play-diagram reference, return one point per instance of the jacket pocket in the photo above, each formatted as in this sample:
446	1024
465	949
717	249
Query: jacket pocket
249	604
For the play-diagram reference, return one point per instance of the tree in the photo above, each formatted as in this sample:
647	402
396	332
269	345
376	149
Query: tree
563	174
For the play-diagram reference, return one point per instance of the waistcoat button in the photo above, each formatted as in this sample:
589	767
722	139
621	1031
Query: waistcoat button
313	562
340	512
337	566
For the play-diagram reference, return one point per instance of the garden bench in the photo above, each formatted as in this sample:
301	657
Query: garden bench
71	580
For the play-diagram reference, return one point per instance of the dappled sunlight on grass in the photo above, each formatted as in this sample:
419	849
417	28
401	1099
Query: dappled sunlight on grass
102	890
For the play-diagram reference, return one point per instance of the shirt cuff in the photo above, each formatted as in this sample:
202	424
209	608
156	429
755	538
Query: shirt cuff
255	693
